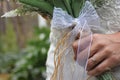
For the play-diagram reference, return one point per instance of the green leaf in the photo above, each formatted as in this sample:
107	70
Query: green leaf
106	76
77	7
41	4
59	4
67	3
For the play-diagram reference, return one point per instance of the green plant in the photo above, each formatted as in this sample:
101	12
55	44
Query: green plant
8	60
72	7
32	65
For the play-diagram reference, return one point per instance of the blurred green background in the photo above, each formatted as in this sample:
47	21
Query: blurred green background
23	46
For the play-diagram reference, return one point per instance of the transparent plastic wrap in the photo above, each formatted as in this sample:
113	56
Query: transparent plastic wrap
67	28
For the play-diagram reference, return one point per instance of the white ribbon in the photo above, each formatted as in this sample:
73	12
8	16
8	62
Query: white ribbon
88	19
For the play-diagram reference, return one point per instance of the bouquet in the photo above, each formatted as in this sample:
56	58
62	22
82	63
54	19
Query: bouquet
69	18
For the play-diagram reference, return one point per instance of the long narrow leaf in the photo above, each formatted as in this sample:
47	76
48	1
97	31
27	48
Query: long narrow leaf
67	3
41	4
59	4
77	6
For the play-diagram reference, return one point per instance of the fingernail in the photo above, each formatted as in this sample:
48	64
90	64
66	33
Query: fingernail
90	74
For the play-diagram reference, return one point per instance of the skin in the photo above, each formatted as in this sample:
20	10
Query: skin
105	49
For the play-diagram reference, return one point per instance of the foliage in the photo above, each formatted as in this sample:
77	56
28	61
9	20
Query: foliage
46	7
29	64
8	60
32	65
8	40
72	7
0	44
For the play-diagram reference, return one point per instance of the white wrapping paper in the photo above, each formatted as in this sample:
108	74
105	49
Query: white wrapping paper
61	24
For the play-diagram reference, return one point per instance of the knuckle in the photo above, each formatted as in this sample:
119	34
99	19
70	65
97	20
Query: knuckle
95	36
100	43
98	40
114	58
99	69
89	65
107	50
74	45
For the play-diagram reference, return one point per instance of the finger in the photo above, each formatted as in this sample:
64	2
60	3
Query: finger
96	59
98	43
82	43
75	46
95	47
103	67
82	57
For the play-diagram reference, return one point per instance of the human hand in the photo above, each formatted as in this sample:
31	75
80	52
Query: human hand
104	53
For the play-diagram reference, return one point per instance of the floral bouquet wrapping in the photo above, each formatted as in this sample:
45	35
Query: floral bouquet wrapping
69	18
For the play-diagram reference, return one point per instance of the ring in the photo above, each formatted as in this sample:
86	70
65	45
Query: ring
93	60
